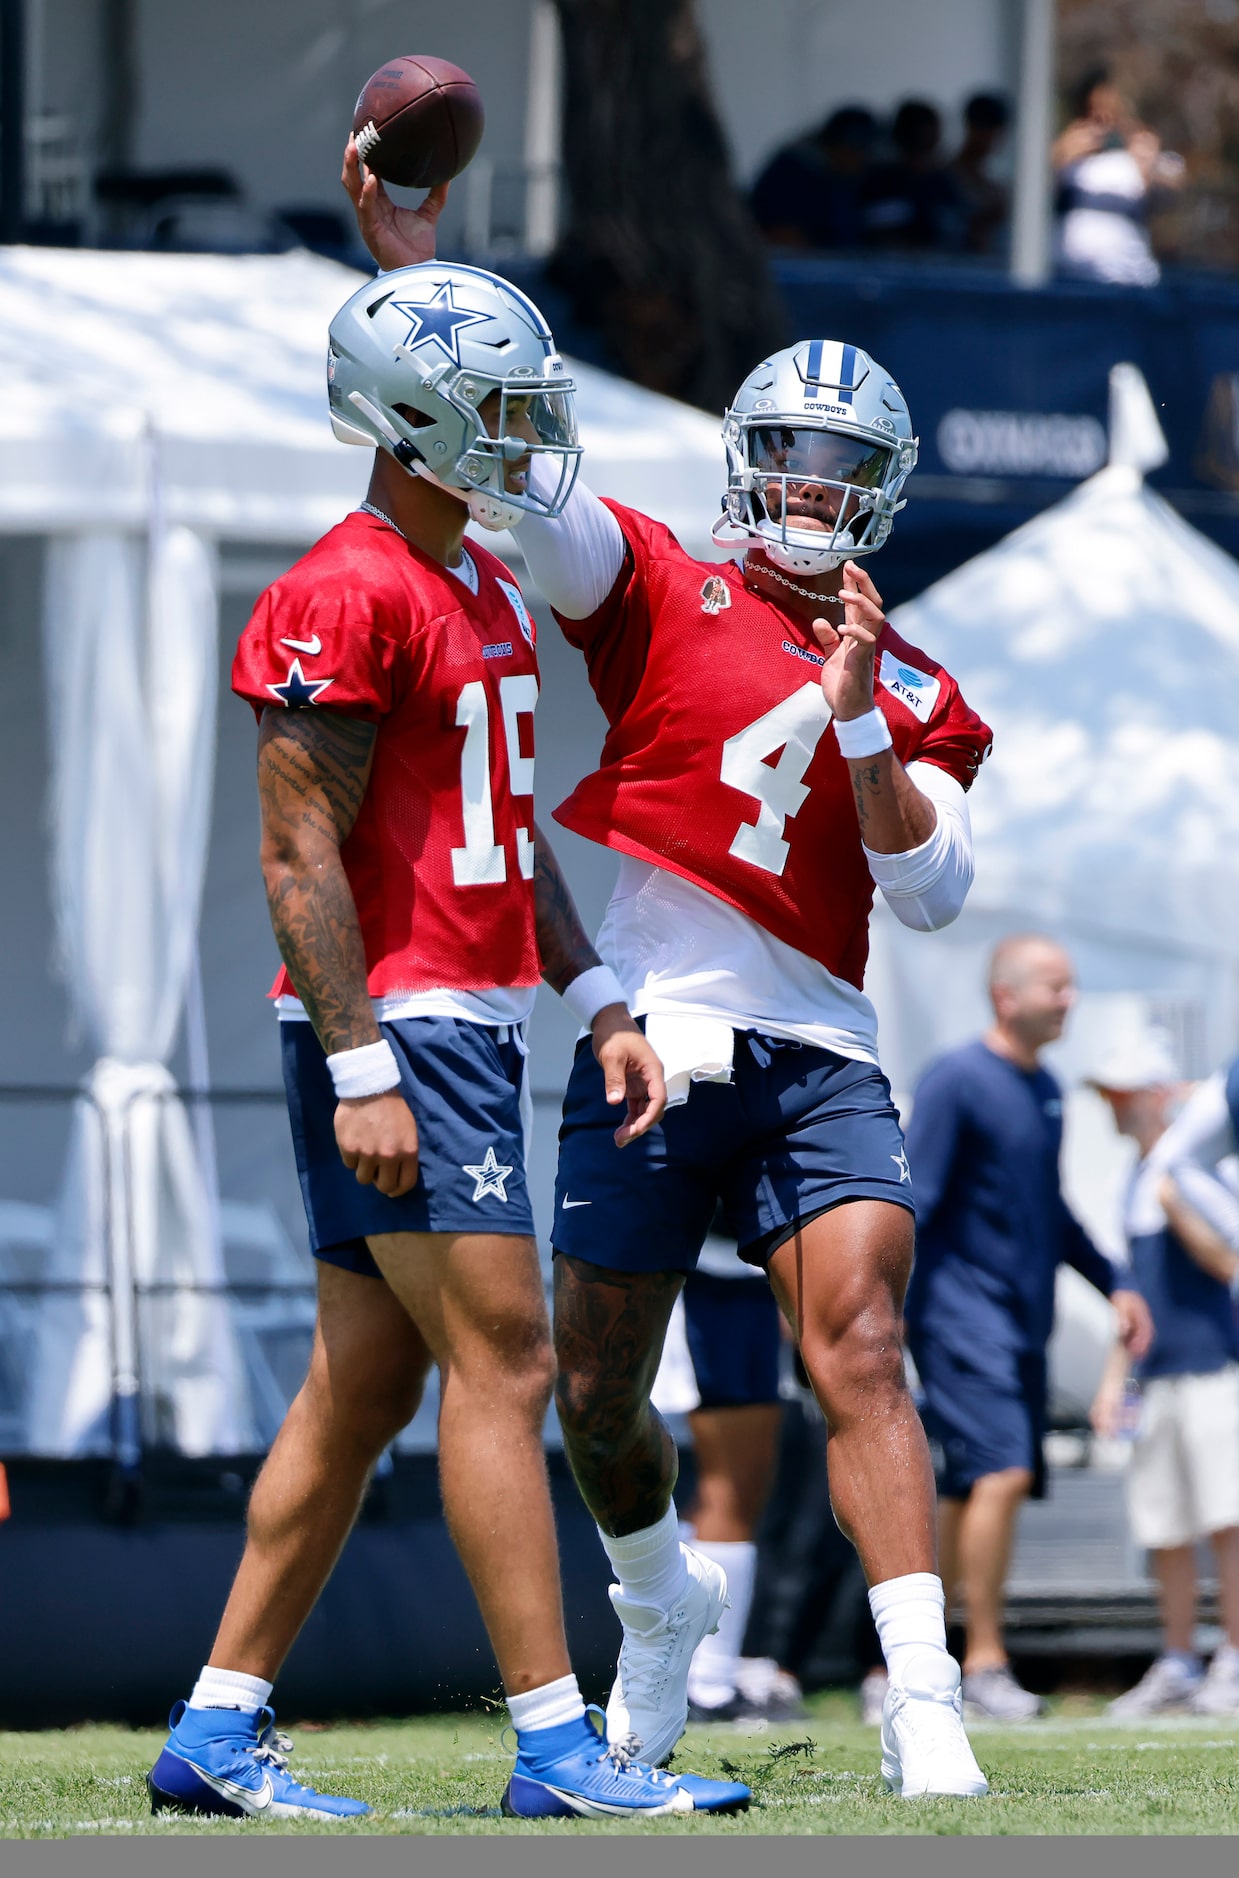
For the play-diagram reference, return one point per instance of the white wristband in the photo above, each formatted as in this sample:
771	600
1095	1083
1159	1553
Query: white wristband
369	1070
592	992
863	736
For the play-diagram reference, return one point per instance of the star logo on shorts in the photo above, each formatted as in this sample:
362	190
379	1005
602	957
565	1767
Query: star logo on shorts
901	1162
488	1178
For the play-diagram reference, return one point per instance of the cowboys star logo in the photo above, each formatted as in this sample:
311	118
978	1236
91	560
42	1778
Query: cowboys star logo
715	594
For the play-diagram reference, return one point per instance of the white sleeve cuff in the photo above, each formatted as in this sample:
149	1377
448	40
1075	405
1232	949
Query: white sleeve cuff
926	887
573	559
591	992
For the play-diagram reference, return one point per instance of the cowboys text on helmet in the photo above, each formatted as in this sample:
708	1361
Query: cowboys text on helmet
819	444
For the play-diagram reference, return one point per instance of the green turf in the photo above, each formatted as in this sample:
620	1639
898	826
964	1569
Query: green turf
1071	1774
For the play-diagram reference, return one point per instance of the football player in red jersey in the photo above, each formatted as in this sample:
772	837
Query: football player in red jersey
774	753
394	677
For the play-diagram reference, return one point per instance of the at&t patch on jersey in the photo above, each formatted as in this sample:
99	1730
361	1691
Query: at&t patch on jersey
917	689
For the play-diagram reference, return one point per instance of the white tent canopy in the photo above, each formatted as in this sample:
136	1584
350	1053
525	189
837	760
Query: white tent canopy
207	371
1101	643
156	406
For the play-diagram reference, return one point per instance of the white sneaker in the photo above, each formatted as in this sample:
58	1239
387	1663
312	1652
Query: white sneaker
649	1697
994	1695
924	1748
1218	1694
1167	1687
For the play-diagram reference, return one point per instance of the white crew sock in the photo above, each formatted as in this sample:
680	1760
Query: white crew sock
910	1614
548	1707
228	1688
649	1564
712	1673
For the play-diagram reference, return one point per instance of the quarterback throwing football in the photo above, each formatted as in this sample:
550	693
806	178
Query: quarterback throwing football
775	752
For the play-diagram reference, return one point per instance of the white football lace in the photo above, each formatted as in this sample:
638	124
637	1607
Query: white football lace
272	1748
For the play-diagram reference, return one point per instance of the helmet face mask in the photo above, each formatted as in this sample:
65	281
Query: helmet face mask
455	346
819	445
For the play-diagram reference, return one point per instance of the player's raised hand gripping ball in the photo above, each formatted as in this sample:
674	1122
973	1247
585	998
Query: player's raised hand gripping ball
418	121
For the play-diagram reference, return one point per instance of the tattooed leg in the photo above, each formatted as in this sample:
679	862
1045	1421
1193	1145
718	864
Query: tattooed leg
609	1330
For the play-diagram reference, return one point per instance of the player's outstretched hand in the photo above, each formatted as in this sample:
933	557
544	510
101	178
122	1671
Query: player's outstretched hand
632	1070
850	649
1135	1323
377	1138
395	237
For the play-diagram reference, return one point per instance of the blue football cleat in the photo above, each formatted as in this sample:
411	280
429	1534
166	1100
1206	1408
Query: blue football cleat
571	1773
232	1763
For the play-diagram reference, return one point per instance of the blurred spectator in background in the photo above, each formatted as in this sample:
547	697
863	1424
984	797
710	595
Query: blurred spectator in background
985	202
1107	164
912	202
1182	1227
992	1227
809	194
720	1367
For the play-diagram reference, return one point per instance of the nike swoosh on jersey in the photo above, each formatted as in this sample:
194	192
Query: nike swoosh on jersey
253	1799
311	646
566	1203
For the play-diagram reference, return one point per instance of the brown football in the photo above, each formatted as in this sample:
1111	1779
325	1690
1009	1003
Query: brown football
418	121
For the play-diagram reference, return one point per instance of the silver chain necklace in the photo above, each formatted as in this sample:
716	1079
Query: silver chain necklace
370	508
806	593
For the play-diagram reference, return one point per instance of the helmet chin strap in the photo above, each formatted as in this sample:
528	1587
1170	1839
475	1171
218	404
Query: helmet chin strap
797	559
488	512
485	509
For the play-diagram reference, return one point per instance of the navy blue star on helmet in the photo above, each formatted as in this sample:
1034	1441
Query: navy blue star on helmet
297	689
438	321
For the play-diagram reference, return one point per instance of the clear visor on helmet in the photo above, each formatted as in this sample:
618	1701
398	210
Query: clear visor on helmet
522	421
813	481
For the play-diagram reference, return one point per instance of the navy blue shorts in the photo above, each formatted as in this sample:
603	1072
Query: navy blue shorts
732	1329
796	1132
463	1084
984	1409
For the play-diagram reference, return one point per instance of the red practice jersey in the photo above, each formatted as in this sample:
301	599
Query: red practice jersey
440	859
716	765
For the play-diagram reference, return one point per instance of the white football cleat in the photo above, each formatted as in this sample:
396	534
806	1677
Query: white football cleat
649	1697
925	1751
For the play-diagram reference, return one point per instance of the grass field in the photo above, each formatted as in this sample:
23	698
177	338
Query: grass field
1070	1774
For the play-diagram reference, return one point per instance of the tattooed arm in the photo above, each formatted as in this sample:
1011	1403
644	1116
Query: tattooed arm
631	1068
313	768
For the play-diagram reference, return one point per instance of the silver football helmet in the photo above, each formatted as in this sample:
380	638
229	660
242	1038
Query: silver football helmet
819	444
414	355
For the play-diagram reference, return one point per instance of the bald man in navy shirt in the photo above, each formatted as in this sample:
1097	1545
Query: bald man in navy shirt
992	1230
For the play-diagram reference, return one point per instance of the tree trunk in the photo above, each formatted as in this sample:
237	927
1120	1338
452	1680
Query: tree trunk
660	251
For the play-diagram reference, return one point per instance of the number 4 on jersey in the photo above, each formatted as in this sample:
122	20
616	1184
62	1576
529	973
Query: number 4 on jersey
482	861
794	729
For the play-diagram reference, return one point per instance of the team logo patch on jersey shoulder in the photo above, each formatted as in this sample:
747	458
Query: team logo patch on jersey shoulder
297	690
715	594
516	600
918	690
